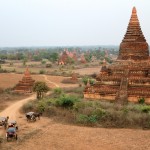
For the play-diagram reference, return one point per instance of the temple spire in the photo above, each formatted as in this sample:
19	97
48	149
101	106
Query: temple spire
27	73
134	10
134	45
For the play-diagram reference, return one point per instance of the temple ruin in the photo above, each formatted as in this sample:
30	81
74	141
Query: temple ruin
128	78
26	84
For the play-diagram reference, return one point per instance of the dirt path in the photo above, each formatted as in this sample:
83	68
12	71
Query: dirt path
50	82
51	135
13	110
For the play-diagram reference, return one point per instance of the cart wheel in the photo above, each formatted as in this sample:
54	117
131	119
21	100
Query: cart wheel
16	137
5	126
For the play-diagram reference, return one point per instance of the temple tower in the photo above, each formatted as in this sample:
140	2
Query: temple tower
134	45
128	78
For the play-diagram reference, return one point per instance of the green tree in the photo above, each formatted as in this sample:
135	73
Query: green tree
86	78
70	60
88	57
24	62
40	88
37	58
54	57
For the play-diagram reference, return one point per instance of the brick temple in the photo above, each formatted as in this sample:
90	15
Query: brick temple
26	84
128	78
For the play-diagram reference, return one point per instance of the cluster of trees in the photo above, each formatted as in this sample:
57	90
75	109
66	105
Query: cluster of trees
52	54
24	56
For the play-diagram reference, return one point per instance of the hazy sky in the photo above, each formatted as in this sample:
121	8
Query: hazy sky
69	22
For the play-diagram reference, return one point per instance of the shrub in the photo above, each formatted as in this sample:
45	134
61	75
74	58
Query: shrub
92	118
86	78
94	75
11	64
80	106
125	110
66	101
51	102
58	91
99	112
141	100
14	70
41	71
3	70
8	90
145	109
50	111
28	107
85	119
48	65
41	106
43	62
82	119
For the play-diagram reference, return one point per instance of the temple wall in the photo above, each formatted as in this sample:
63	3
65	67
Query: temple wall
134	99
98	97
111	97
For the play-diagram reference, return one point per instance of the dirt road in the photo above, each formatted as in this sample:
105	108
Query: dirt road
52	135
13	110
50	82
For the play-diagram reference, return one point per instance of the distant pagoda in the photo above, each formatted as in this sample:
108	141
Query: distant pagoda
26	84
128	78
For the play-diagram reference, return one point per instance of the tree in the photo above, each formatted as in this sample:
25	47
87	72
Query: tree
86	78
70	60
24	61
54	57
40	88
88	57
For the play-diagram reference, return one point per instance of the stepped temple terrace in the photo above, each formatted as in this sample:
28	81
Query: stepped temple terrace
128	78
26	84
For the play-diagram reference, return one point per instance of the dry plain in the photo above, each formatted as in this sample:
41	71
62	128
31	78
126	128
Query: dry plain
48	134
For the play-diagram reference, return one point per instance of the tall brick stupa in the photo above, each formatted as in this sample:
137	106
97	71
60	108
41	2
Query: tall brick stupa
128	78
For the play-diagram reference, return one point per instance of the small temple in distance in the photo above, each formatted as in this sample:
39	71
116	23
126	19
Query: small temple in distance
26	84
128	78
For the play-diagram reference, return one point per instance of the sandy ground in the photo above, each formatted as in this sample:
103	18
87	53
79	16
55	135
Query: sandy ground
88	71
9	80
58	80
65	137
45	134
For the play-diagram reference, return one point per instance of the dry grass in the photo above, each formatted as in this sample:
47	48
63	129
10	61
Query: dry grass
58	80
88	71
7	98
35	67
9	80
